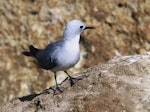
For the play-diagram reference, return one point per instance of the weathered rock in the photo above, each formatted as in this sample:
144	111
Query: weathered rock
121	85
122	28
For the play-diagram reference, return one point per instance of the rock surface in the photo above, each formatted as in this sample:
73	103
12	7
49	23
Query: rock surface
122	28
121	85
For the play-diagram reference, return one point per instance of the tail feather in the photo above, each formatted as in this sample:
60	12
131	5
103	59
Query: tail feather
33	51
26	53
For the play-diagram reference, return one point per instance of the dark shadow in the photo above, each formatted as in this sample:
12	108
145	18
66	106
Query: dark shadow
32	96
29	97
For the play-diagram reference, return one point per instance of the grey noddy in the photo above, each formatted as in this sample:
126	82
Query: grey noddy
62	54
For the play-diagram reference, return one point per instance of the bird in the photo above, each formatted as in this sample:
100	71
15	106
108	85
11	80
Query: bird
62	54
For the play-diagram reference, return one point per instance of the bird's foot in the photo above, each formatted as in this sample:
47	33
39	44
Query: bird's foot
73	80
58	90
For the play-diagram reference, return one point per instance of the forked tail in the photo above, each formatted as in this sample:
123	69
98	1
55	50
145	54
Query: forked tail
33	51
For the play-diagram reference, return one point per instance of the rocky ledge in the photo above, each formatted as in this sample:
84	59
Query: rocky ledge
120	85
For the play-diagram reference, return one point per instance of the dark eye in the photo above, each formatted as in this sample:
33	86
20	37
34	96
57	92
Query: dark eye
81	27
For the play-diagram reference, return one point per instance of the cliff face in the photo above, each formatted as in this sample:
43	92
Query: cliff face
122	28
122	84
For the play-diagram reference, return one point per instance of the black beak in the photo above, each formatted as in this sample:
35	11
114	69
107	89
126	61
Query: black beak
89	27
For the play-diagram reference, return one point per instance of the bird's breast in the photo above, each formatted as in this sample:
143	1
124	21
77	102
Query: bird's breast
69	56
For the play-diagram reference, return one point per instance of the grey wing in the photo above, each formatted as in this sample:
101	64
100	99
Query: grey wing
45	60
48	57
50	64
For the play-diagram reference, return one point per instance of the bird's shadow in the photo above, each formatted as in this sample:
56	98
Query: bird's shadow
32	96
29	97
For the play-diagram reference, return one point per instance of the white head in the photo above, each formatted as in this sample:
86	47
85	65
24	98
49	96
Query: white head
74	29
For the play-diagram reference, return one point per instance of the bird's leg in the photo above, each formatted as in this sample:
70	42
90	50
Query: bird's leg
72	80
57	87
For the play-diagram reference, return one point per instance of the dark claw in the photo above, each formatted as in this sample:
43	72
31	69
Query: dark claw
57	91
71	82
74	80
